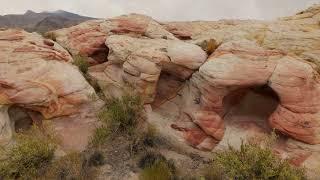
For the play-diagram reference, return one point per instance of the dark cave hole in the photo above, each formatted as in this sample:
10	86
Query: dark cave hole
101	54
23	119
20	117
255	104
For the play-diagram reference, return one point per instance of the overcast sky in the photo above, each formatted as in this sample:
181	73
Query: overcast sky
165	9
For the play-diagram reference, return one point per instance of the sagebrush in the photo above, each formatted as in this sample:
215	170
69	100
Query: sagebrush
251	161
29	156
156	167
71	166
122	114
119	115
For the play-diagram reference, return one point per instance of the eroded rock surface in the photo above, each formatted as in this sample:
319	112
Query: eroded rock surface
290	78
281	55
143	60
88	38
37	74
199	79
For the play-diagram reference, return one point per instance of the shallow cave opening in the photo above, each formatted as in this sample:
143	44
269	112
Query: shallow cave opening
23	119
250	107
101	54
167	88
20	117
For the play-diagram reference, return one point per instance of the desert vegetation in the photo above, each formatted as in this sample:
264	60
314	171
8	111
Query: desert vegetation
81	62
74	165
124	116
156	167
29	156
251	161
32	156
119	115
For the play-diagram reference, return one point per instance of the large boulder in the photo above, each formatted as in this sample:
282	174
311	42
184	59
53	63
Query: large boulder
37	74
142	60
88	38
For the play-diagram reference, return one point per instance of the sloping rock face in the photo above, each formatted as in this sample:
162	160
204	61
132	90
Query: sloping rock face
200	79
37	74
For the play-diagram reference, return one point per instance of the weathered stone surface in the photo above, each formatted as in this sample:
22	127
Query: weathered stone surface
142	60
297	85
36	74
88	38
259	75
294	81
6	128
295	34
241	61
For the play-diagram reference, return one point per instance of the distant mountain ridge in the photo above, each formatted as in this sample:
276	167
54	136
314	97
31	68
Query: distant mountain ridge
43	21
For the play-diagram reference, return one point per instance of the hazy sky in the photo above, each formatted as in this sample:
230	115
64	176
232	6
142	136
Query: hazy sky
165	9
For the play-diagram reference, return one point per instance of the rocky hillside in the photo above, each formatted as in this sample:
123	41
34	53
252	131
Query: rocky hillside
205	85
41	22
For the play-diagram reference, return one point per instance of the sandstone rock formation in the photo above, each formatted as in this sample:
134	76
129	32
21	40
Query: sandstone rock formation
204	83
37	74
295	83
143	61
88	39
149	56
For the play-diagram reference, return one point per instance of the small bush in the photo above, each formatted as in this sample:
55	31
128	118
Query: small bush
95	159
82	63
100	136
251	162
69	167
150	137
122	114
158	171
30	155
156	167
143	139
209	46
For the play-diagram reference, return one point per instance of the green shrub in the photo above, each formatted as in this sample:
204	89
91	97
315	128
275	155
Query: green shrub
100	136
30	155
251	162
158	171
69	167
82	63
156	167
122	114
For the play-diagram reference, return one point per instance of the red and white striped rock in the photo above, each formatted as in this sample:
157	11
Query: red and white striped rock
141	61
88	38
37	74
240	65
